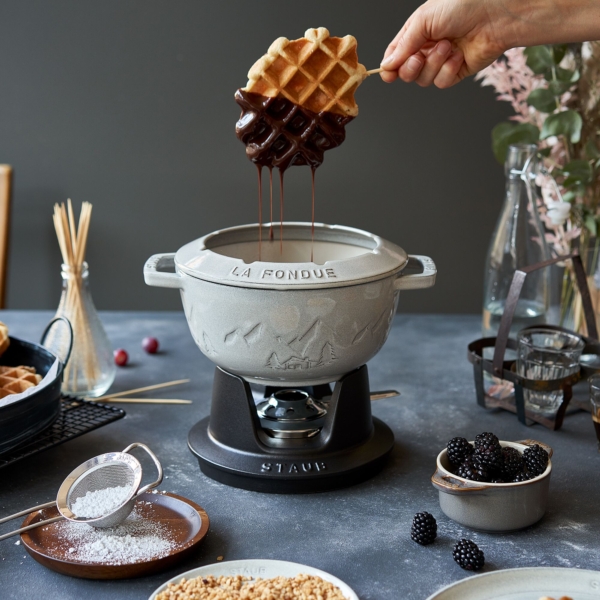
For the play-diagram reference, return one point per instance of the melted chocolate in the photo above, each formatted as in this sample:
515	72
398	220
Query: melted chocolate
279	133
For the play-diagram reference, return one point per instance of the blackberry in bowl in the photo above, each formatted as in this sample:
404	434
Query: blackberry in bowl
500	486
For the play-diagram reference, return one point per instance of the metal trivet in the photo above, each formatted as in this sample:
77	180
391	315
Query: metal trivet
76	418
505	370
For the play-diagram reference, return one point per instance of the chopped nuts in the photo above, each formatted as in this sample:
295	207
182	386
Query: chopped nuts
301	587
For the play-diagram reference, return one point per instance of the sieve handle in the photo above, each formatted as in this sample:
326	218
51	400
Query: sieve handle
29	510
34	526
156	463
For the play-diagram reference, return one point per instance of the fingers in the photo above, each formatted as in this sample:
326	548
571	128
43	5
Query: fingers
411	69
435	64
448	74
435	60
408	42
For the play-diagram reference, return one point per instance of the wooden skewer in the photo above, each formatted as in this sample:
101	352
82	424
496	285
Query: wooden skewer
373	71
141	400
142	389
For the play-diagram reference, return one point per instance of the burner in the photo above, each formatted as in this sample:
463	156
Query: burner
294	440
290	413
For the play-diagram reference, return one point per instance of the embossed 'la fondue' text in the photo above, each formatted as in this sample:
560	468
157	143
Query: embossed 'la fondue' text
285	274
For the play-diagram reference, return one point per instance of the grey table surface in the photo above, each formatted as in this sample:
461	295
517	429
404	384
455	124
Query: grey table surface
359	534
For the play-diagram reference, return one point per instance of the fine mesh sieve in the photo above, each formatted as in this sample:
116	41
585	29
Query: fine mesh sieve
111	470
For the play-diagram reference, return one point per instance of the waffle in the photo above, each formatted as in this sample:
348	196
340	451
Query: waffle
318	72
4	341
15	380
298	100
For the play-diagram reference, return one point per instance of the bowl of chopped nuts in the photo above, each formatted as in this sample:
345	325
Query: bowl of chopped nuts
258	578
493	485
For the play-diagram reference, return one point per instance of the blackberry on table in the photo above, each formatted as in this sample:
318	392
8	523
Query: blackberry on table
458	449
424	528
468	555
486	439
513	462
472	471
536	459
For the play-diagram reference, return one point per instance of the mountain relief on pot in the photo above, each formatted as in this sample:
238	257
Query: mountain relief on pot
317	346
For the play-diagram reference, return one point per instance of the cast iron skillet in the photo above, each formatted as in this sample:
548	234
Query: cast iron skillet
25	418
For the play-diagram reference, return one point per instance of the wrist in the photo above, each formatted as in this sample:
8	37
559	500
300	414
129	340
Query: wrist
536	22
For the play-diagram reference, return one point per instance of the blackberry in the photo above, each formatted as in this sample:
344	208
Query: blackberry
468	555
522	476
536	459
424	528
486	439
472	471
458	449
513	462
489	457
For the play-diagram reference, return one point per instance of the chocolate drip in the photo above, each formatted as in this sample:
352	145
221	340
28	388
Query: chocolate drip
259	169
312	227
281	211
271	202
279	133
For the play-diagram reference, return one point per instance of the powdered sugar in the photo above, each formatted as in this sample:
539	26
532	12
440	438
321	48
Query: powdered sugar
100	503
136	539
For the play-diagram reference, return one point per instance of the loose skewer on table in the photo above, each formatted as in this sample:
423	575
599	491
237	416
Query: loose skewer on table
141	400
143	389
119	396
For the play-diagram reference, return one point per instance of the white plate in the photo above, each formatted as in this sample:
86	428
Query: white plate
260	568
525	584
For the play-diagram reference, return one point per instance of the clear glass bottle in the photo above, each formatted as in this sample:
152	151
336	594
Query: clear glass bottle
518	241
90	370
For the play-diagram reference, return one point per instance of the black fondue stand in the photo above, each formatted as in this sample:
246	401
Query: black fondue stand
234	446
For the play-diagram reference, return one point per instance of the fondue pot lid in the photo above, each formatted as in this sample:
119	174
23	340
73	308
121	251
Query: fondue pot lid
341	256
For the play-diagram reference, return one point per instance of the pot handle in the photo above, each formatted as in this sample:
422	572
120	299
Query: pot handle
417	281
534	442
152	276
452	485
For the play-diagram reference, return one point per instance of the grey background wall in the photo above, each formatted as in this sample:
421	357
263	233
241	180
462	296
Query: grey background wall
129	104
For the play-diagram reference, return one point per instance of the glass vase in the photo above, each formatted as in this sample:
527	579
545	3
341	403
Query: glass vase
91	368
518	241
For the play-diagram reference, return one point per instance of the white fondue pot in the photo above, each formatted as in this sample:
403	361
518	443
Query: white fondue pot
285	319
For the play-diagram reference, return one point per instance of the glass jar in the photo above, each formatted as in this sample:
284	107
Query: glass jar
91	368
518	241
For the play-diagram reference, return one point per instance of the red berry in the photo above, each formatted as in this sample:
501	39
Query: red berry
150	345
121	357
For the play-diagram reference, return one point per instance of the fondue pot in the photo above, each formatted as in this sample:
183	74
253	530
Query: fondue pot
291	315
286	318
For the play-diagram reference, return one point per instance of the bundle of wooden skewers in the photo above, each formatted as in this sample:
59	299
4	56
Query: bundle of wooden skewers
83	370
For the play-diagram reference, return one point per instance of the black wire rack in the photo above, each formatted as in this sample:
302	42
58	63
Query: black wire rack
76	417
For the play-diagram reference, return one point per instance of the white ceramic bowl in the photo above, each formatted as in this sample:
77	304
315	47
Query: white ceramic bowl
492	506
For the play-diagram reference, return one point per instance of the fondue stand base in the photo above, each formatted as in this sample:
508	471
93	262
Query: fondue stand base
232	447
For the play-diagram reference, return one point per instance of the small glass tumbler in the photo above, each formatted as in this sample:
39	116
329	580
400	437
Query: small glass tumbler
595	403
546	354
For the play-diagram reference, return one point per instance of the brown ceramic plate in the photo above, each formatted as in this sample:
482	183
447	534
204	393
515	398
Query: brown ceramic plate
187	522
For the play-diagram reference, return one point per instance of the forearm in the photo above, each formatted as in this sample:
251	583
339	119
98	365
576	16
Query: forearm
535	22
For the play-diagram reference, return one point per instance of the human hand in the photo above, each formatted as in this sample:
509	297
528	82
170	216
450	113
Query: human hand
445	41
